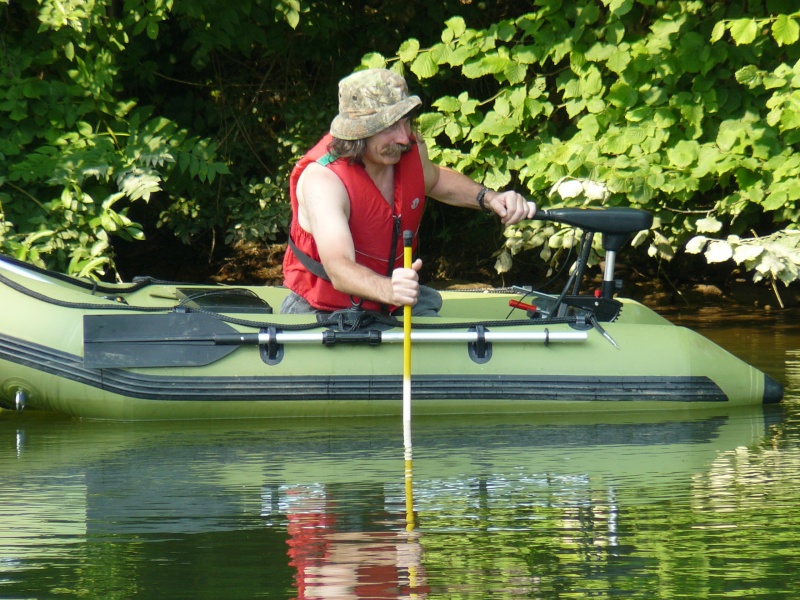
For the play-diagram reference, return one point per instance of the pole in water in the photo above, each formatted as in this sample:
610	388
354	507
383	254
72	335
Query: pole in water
407	260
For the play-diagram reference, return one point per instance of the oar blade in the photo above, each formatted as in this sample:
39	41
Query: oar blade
152	340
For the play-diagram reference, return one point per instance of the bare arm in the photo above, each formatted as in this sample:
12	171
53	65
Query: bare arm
324	211
449	186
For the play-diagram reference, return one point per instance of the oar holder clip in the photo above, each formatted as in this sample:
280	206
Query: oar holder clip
480	351
272	351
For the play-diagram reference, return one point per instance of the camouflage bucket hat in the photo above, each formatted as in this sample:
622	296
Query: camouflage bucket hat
369	102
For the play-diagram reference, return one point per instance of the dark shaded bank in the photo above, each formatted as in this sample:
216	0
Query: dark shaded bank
469	262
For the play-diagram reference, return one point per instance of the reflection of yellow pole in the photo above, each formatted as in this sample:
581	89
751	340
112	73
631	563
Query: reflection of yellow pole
410	522
409	478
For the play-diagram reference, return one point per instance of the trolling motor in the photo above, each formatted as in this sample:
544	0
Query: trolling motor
616	225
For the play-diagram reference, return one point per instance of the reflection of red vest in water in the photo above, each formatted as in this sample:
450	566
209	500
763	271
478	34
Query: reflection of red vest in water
308	545
369	565
374	223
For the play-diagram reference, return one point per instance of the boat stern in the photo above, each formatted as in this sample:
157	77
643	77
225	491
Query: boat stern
773	390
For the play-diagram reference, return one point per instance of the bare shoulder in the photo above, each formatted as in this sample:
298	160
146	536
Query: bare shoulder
316	180
320	188
321	198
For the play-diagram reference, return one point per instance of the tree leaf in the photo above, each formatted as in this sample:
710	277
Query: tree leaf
774	201
457	25
152	30
684	153
718	251
619	7
745	253
515	72
618	61
709	224
744	31
424	66
696	244
408	50
719	30
373	60
622	95
785	30
504	262
750	75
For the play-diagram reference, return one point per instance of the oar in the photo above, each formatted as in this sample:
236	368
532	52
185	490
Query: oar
197	339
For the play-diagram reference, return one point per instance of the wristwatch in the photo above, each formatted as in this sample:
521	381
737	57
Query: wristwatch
480	198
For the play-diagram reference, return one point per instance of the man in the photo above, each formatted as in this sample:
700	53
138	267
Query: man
357	190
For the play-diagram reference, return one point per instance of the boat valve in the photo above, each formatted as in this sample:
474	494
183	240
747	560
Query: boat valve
20	399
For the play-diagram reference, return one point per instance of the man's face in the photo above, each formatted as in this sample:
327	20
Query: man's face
389	145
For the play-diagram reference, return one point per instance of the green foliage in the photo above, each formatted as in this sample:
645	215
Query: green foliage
688	109
75	155
116	117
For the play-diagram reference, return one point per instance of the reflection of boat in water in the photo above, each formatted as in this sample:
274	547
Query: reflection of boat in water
265	483
367	451
159	350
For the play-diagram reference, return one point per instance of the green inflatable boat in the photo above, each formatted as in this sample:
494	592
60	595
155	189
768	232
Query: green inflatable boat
162	350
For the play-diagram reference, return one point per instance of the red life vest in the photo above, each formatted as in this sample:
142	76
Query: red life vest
373	224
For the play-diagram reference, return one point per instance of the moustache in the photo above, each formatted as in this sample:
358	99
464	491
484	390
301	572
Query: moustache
395	149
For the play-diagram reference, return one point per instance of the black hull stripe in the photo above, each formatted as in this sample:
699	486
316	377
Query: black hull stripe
423	387
506	387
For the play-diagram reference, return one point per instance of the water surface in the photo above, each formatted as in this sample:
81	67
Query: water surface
684	505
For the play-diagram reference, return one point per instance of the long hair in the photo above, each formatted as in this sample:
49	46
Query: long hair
352	150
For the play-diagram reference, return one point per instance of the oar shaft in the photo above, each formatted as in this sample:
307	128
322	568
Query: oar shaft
393	337
353	337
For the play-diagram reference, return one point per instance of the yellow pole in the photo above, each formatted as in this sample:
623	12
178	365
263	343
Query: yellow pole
407	259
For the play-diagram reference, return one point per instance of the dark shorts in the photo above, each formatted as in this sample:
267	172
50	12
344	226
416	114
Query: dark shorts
429	304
